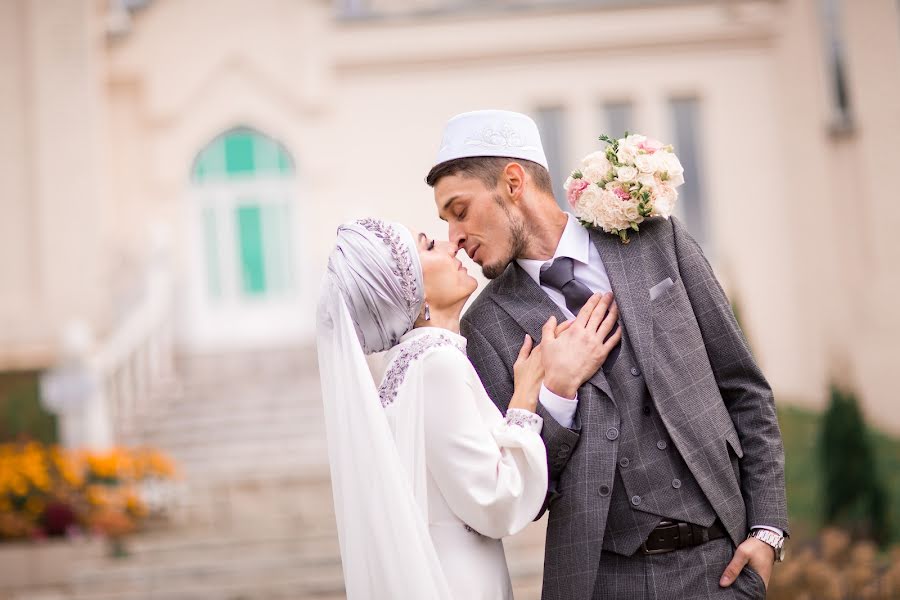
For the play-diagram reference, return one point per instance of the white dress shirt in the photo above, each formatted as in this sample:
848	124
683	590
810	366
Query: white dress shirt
576	244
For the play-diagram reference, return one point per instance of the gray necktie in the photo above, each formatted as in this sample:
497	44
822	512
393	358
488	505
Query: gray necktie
560	275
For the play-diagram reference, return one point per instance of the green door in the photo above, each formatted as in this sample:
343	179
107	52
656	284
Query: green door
251	255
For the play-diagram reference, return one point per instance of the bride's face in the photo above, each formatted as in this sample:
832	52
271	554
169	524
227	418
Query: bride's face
447	282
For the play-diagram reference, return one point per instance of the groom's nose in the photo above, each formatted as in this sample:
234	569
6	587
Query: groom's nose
457	236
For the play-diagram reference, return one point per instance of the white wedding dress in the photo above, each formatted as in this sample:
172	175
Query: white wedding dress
484	476
426	473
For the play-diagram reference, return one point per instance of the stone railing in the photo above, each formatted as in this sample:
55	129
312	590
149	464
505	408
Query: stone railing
99	392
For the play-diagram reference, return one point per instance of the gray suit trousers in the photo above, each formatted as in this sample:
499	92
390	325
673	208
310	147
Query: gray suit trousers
683	574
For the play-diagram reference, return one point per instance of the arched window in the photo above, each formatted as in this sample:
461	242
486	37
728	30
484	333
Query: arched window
243	182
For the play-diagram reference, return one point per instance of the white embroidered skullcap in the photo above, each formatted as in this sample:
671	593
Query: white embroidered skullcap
491	133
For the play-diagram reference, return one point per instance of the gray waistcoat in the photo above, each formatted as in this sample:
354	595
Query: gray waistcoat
652	480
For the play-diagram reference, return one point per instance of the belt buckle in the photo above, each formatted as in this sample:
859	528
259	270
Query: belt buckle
650	552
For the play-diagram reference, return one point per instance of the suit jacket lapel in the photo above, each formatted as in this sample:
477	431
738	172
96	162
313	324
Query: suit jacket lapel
624	265
524	300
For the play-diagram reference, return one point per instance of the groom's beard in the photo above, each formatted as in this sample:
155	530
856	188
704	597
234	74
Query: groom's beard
517	238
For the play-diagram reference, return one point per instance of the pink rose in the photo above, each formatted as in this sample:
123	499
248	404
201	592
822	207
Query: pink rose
650	145
575	189
621	192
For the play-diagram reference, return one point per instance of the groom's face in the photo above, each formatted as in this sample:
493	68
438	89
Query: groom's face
480	221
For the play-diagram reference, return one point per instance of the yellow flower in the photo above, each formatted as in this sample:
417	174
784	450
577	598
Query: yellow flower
96	495
34	505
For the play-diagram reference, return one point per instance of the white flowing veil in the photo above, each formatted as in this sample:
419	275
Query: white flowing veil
386	548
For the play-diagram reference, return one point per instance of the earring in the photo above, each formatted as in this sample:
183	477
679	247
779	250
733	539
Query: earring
427	312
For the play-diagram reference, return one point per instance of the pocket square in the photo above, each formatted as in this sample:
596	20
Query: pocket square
657	290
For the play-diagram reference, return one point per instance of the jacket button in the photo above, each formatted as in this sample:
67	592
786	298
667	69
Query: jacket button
647	410
635	500
624	462
564	448
676	483
661	444
604	490
612	433
635	371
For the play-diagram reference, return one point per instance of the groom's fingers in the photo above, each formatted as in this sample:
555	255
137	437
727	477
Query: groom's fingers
563	326
609	321
548	331
614	339
585	313
734	568
600	312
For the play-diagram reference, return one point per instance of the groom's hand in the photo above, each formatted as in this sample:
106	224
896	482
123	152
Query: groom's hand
573	353
758	554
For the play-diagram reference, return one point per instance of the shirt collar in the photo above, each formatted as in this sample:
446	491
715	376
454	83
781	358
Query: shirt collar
575	243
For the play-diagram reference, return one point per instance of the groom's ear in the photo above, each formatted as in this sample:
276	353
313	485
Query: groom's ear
513	181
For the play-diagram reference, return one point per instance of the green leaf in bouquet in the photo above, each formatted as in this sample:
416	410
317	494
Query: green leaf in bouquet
577	175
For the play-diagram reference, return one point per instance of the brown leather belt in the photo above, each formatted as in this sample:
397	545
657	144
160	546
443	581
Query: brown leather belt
670	536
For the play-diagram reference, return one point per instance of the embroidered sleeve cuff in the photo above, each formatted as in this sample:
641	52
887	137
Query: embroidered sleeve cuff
519	417
562	409
772	529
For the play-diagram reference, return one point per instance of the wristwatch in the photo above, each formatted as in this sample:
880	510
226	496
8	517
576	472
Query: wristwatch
772	539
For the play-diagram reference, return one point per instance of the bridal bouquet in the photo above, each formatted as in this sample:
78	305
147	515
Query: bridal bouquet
617	188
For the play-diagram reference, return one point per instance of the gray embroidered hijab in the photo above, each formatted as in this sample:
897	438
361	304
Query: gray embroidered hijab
376	266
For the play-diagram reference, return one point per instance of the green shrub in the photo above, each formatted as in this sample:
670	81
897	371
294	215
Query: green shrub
854	496
21	413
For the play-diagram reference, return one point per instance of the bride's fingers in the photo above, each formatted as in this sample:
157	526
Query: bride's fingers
525	350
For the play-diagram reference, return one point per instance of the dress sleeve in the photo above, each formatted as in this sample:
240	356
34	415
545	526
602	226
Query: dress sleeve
491	472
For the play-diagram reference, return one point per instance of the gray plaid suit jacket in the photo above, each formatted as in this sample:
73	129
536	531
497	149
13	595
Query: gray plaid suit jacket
712	397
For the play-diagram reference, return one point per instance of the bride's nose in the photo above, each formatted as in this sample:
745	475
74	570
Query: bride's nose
449	248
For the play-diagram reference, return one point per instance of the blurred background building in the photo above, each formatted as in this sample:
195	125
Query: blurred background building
173	172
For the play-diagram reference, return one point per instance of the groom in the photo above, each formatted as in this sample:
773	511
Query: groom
666	466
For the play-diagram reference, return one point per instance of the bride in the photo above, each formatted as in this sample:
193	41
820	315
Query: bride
427	474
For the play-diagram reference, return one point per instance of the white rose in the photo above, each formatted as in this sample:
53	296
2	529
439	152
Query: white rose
634	139
597	158
626	173
672	166
646	163
589	197
646	180
595	172
630	211
664	198
626	153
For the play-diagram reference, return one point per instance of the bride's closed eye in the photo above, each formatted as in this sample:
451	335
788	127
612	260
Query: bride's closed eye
429	245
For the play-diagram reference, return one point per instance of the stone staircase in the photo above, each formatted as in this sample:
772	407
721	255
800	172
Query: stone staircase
255	517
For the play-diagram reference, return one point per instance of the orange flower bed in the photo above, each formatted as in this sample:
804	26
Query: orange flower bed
50	491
